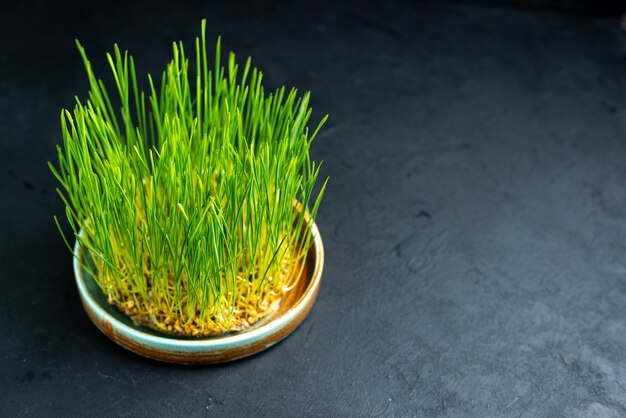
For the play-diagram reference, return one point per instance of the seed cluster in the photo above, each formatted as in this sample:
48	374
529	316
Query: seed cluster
190	321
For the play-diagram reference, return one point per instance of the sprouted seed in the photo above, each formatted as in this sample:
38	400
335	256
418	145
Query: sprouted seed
195	199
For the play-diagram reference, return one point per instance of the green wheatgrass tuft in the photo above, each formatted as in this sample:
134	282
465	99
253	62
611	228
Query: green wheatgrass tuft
189	198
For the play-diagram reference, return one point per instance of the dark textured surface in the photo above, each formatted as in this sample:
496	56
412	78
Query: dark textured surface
474	226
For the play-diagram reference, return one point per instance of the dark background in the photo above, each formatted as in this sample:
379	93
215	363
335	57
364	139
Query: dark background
475	223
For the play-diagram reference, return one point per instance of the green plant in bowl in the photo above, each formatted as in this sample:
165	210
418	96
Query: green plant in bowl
194	200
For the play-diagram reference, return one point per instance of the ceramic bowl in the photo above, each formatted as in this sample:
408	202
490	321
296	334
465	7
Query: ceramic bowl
204	350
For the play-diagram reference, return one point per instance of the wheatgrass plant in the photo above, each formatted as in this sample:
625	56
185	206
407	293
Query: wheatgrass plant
195	200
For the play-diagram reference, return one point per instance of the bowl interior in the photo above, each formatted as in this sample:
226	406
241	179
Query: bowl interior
291	299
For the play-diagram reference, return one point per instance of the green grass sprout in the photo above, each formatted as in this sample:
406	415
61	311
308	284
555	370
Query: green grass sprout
195	200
